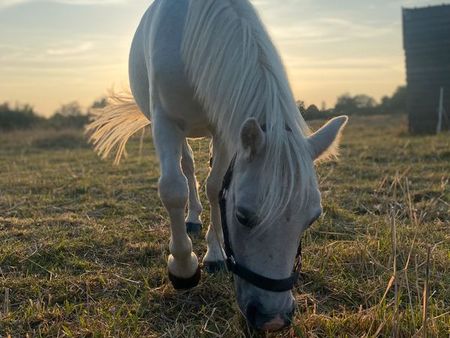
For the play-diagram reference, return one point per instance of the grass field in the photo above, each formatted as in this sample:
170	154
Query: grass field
83	244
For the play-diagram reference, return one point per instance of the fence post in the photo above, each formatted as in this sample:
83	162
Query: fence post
440	111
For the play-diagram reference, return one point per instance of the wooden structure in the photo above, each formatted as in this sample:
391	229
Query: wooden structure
426	33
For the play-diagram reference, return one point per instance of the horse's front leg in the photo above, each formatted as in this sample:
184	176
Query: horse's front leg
214	258
193	222
184	271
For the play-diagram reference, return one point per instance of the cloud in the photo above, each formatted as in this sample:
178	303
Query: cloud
323	30
75	50
342	63
10	3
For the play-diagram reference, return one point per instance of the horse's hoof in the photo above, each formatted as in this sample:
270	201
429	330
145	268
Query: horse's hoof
185	283
194	229
215	267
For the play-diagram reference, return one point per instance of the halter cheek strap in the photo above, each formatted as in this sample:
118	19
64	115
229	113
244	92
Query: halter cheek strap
260	281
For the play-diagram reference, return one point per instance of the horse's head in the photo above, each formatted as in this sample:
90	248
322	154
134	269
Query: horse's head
270	251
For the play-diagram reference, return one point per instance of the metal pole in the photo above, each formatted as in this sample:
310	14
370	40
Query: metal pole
441	111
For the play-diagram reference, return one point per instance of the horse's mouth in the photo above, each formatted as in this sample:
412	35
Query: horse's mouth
260	321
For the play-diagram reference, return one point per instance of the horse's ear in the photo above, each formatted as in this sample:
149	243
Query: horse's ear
324	142
252	138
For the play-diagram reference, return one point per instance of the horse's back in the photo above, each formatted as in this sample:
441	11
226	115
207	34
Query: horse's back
157	68
137	64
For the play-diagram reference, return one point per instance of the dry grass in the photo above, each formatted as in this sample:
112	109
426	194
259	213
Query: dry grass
83	244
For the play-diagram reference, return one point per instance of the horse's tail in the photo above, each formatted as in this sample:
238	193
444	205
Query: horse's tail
112	126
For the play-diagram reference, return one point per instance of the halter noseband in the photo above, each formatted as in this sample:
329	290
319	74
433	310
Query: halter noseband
262	282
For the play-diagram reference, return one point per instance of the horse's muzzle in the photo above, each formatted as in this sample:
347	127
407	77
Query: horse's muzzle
263	322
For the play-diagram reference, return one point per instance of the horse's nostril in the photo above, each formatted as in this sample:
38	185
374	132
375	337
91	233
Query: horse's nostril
264	322
275	324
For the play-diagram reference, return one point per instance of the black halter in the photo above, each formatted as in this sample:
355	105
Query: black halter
262	282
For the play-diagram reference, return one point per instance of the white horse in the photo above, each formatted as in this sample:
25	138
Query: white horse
207	68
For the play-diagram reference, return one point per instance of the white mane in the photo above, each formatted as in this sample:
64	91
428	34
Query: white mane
237	73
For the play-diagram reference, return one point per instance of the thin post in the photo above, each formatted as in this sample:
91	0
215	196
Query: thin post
440	111
426	293
395	274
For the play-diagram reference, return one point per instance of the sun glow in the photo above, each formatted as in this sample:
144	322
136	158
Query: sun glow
58	51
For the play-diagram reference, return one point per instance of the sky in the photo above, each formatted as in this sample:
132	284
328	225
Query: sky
56	51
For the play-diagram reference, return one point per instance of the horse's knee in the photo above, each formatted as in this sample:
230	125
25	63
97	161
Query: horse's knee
173	191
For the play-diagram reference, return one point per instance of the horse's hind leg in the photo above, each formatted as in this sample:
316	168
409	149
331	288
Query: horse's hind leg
184	272
193	222
214	258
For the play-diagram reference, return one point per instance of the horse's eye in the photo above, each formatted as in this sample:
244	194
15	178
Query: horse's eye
246	217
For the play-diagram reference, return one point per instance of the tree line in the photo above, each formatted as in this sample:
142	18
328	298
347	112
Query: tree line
72	115
358	105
